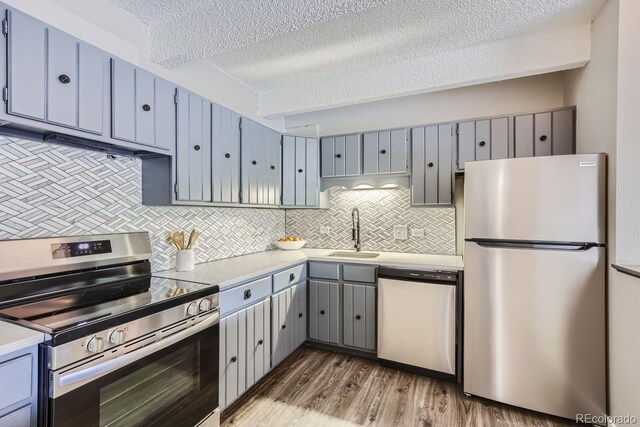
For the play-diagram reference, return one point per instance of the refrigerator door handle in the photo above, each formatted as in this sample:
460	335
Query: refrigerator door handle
534	245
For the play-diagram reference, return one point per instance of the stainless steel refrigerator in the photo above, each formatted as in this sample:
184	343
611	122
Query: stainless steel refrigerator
534	289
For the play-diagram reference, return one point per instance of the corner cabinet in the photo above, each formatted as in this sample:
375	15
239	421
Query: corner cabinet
385	152
300	171
431	165
260	148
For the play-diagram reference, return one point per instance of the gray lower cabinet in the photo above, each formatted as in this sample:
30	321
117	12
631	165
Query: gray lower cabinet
300	315
260	163
53	77
359	316
324	311
244	350
385	152
19	388
193	148
431	165
300	171
341	155
225	141
486	139
288	321
549	133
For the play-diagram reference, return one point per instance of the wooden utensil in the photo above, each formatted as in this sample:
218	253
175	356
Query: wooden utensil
182	240
196	234
190	241
175	238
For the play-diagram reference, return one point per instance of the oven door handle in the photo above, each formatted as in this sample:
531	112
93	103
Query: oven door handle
68	382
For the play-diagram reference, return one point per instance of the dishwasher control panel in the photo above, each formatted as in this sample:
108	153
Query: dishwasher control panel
399	273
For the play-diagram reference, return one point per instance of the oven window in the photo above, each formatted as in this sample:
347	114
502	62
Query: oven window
130	401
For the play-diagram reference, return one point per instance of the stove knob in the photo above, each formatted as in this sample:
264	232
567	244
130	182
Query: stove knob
192	309
117	336
205	305
95	345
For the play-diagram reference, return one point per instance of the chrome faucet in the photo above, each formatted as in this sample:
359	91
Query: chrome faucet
355	229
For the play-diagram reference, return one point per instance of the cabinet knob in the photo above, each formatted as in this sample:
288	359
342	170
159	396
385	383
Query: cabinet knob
299	314
358	317
299	170
234	359
430	164
273	167
322	312
146	107
338	156
227	155
284	326
482	143
247	294
383	151
543	138
64	79
196	147
292	277
260	342
253	162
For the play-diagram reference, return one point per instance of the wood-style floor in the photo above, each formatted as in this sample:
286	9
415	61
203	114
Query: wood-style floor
320	388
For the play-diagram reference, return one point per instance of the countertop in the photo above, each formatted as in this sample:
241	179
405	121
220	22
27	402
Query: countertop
231	271
631	270
15	337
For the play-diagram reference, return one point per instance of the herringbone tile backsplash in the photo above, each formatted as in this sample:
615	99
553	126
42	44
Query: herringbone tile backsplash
52	190
380	210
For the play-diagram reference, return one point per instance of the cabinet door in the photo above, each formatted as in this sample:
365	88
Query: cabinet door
418	166
299	315
352	155
432	164
288	170
398	151
274	172
445	163
483	140
324	311
165	114
562	138
91	69
360	316
258	341
254	159
18	418
370	153
312	172
145	107
340	156
329	159
281	326
466	143
301	164
234	360
222	373
542	134
62	78
225	140
123	111
26	66
524	136
193	154
500	138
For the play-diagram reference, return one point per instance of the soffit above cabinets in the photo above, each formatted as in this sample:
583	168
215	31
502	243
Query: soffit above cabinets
316	54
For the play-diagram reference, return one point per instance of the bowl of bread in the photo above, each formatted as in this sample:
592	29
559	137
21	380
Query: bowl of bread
290	243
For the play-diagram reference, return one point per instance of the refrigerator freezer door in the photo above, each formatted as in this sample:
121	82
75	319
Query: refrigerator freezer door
554	198
417	324
534	328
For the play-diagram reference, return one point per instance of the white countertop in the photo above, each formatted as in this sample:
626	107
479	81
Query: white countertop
15	337
231	271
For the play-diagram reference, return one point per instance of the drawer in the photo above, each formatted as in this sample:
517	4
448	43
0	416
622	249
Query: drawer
289	277
18	418
16	381
324	270
359	273
245	295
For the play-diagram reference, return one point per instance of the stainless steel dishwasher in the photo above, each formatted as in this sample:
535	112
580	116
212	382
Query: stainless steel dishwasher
418	318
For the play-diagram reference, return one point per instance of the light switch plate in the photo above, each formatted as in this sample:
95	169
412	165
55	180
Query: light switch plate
417	232
400	232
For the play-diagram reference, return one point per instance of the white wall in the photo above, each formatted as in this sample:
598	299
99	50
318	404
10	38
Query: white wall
106	26
508	96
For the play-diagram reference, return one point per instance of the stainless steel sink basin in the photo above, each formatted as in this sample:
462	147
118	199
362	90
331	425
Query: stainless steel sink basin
361	255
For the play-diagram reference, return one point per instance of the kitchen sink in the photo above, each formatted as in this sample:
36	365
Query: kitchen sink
361	255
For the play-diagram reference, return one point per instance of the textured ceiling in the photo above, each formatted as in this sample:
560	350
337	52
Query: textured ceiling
296	48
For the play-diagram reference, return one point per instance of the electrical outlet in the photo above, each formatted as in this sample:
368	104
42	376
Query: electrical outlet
400	232
417	232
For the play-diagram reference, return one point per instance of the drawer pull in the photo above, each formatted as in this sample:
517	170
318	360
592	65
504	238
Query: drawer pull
234	359
260	342
273	167
300	315
322	312
247	294
227	155
299	170
383	151
284	326
482	143
253	162
196	147
358	317
543	138
292	277
146	107
64	79
430	164
338	156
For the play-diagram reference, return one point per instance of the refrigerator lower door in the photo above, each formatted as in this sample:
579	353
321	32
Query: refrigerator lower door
534	328
417	324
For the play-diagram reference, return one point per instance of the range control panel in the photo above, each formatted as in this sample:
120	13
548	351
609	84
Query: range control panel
70	250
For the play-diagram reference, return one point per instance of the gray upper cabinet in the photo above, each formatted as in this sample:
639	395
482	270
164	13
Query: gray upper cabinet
548	133
385	152
226	154
341	156
165	115
300	171
486	139
260	162
431	165
193	151
53	77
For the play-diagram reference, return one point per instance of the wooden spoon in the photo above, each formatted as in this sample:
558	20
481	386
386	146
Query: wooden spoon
175	238
190	241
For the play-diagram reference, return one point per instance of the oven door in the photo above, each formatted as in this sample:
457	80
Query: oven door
172	382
